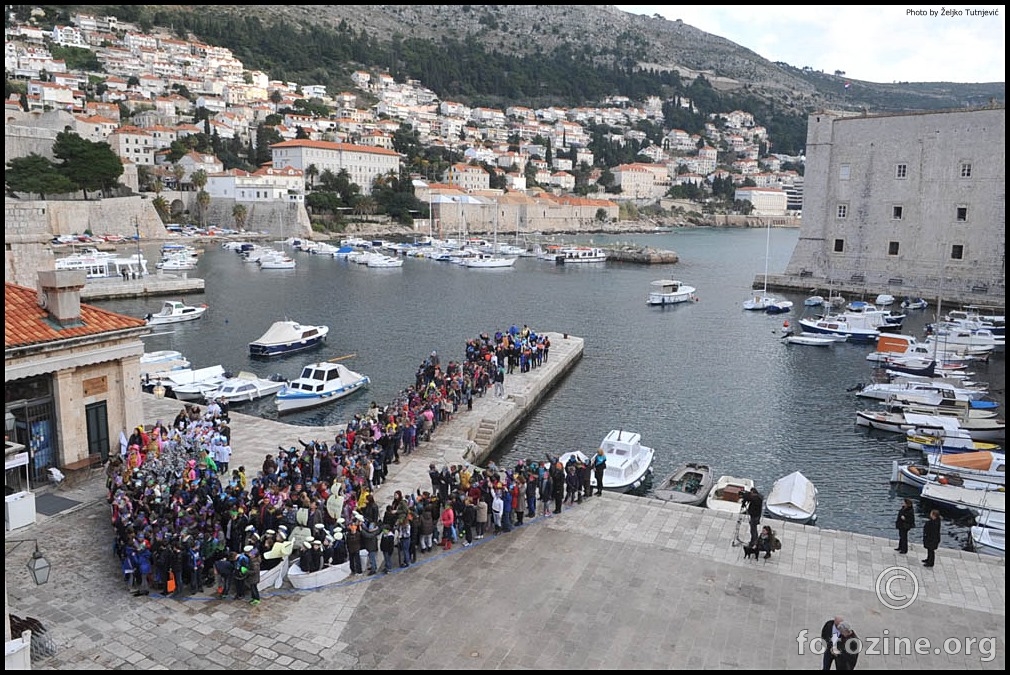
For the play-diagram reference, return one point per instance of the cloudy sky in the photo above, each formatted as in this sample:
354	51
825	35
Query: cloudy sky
882	43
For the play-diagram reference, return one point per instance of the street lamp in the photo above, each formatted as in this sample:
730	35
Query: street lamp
159	390
140	255
38	566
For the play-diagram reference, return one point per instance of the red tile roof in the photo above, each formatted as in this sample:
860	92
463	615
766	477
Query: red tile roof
25	322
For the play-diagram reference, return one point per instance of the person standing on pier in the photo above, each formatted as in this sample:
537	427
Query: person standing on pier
754	504
904	523
599	467
931	538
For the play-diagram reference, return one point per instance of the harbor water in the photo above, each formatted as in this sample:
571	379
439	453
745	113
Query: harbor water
704	381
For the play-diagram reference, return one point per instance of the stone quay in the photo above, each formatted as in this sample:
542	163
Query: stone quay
619	581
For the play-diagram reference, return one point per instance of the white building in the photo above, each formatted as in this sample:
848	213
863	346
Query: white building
267	184
765	201
362	163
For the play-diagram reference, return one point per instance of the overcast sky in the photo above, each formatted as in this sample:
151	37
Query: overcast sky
881	43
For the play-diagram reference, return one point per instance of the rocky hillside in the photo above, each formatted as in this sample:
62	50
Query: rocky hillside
603	34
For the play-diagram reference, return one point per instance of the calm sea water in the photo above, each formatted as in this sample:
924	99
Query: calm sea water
704	381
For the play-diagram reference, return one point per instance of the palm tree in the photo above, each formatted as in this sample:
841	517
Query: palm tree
239	212
199	179
364	206
203	200
161	206
178	173
311	171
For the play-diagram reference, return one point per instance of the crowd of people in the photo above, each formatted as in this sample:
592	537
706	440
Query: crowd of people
185	521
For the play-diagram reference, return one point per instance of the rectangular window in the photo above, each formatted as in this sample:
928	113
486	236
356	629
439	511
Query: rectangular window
962	214
843	172
892	248
843	210
957	252
896	212
901	171
965	170
839	245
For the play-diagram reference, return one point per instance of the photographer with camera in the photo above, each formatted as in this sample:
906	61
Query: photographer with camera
753	503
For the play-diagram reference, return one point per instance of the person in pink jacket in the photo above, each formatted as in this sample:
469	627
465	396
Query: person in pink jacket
448	520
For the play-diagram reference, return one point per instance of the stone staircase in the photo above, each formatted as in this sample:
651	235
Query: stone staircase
486	431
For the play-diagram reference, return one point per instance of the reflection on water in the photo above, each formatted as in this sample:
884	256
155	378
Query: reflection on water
702	381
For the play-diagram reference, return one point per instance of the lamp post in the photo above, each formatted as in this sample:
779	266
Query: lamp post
38	566
140	255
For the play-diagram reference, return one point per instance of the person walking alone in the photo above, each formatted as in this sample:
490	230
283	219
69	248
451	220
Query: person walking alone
904	522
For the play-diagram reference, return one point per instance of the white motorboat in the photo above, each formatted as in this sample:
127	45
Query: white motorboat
173	311
884	300
980	428
994	520
671	292
194	384
628	461
689	484
286	337
383	261
245	387
812	339
161	356
727	494
917	475
319	383
965	498
987	540
793	498
277	261
926	390
814	301
176	263
914	303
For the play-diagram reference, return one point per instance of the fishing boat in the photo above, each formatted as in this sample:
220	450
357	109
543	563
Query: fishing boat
793	498
727	494
917	475
963	498
913	303
174	311
689	484
287	337
812	339
571	255
671	292
319	383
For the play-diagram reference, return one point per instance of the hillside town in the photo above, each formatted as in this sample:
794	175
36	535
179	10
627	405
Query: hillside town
152	90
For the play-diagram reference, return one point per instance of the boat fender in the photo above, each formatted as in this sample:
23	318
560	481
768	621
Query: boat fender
914	470
942	480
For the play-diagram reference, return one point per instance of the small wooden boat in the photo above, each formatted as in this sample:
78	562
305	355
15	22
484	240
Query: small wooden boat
727	494
689	484
273	577
327	576
174	311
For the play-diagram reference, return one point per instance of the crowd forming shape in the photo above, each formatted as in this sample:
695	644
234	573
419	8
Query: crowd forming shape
185	521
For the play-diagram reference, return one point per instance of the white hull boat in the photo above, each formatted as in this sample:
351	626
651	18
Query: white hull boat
759	303
628	461
994	520
727	494
918	476
671	292
813	339
305	581
193	385
320	383
793	498
175	312
986	540
246	387
273	577
489	261
383	261
965	498
286	337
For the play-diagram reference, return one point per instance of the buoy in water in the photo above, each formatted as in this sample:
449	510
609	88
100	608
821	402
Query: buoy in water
785	324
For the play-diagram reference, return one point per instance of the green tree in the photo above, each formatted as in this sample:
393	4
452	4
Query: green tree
89	165
178	173
35	174
162	207
240	212
203	202
199	179
311	173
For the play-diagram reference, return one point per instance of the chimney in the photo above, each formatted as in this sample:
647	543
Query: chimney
60	296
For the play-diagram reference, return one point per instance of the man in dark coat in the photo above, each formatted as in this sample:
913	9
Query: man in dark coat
931	538
904	522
